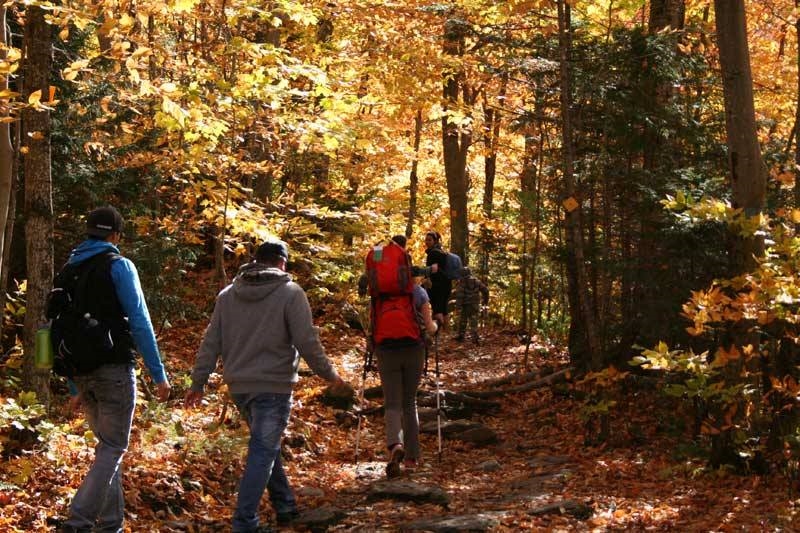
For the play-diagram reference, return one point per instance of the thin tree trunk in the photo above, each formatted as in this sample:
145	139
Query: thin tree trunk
583	338
6	152
524	326
38	192
413	180
797	121
537	236
526	187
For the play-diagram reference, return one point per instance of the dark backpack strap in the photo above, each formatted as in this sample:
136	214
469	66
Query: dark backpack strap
86	271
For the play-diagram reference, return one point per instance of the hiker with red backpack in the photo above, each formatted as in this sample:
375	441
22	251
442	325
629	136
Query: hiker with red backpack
397	303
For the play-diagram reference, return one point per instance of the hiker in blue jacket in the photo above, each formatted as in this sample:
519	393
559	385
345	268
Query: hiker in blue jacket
108	393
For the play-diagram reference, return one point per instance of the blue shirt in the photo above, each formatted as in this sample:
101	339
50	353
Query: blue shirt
131	298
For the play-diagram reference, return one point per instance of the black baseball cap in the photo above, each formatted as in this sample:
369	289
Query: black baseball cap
104	221
272	249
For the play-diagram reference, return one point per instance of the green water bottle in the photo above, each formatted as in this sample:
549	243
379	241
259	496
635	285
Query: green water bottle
44	348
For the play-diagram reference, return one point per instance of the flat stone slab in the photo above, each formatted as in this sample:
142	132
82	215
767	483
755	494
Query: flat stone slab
548	461
449	427
320	519
481	436
463	430
533	488
579	510
407	491
453	524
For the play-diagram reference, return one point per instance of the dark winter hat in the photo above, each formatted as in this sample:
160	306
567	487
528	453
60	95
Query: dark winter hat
104	221
272	249
465	272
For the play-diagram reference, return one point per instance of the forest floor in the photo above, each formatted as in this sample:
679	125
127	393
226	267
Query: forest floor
183	465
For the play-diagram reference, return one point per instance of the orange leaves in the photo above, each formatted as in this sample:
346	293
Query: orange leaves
753	297
722	356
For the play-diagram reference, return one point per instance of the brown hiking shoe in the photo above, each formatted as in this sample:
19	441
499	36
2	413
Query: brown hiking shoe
396	456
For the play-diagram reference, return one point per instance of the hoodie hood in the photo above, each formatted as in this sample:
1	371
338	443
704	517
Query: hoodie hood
256	281
90	248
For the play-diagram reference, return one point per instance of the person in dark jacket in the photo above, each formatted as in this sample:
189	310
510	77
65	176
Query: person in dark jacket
440	285
108	393
260	327
470	294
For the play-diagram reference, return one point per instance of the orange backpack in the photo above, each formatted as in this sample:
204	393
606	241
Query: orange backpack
391	287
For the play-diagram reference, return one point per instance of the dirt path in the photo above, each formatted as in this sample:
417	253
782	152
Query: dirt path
536	474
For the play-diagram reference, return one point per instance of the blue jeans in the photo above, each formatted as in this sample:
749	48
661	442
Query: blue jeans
267	416
108	396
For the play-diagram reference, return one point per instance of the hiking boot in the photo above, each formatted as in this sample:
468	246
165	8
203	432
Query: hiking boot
63	528
410	464
59	525
286	518
395	459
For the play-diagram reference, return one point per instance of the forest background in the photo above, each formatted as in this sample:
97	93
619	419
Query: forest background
622	173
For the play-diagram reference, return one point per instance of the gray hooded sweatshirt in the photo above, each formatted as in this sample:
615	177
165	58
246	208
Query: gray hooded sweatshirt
260	326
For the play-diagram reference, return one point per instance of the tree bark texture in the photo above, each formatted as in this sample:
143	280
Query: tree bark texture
797	120
747	171
456	141
38	207
667	13
6	153
583	339
413	179
748	181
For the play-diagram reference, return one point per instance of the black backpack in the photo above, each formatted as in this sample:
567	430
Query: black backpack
81	342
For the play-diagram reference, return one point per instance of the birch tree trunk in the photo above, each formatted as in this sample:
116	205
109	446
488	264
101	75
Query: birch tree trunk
6	153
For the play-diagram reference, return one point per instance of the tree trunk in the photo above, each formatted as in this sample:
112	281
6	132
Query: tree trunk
528	200
413	180
6	154
456	141
748	178
38	207
748	173
583	339
797	121
667	13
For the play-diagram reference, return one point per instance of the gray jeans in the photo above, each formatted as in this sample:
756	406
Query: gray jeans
401	372
108	397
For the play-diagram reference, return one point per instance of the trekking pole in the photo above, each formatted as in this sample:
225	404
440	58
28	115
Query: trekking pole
367	364
367	357
438	405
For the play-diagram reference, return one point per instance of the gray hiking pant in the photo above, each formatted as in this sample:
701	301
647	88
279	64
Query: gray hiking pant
401	371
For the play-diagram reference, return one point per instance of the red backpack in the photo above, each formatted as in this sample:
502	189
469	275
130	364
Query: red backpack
391	287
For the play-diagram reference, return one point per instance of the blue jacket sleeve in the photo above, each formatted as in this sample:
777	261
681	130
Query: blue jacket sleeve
129	292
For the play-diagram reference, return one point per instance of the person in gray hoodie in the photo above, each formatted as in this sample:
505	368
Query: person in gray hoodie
260	327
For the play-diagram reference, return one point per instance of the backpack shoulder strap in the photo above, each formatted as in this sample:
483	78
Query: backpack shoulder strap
87	270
